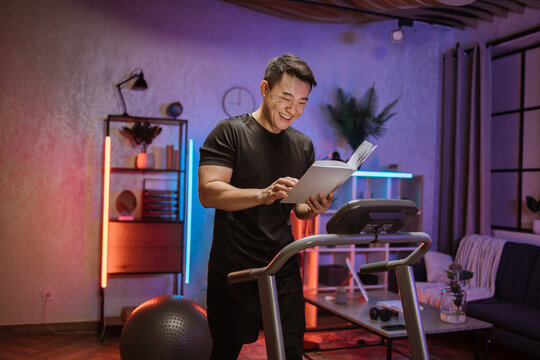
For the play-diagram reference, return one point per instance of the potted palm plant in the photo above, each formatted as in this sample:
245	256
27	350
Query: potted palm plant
534	206
142	134
356	119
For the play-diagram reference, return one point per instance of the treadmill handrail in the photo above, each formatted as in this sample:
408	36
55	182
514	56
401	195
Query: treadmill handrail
334	239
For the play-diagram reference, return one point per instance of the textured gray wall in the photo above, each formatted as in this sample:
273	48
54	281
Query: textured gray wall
60	60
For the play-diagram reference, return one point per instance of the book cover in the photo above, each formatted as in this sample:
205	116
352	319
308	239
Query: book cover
325	176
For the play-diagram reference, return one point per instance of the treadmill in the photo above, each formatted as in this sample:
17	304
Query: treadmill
359	222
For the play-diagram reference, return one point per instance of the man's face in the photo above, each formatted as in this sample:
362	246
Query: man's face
284	103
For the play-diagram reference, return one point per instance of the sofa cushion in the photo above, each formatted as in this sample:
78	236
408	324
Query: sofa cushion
518	276
518	318
436	264
533	293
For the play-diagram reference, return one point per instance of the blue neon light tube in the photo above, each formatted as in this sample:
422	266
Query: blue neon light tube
189	210
383	174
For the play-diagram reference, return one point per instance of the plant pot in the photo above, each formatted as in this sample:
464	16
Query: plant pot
536	226
144	161
452	306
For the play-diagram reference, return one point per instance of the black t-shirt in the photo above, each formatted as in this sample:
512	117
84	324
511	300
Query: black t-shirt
252	237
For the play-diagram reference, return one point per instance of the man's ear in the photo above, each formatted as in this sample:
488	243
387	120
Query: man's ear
265	88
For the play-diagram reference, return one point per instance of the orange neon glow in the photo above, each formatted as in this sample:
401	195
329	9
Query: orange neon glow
105	219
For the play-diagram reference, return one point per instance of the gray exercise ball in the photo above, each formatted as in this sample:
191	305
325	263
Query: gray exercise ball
166	327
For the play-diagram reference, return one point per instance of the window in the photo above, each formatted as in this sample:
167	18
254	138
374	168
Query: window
515	137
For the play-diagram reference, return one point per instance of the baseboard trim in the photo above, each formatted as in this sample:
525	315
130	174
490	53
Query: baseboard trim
43	329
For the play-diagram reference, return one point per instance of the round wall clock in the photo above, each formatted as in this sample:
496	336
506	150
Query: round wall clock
237	101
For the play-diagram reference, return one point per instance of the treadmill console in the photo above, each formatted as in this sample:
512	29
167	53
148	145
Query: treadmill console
372	216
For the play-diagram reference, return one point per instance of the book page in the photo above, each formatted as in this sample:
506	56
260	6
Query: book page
317	180
325	176
332	164
360	154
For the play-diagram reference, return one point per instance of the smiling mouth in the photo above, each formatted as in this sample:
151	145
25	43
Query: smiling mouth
285	117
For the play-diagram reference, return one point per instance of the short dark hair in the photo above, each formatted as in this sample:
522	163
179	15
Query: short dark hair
291	65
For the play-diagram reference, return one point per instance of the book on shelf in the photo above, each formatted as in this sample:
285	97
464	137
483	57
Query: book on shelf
160	212
159	200
162	193
156	196
160	206
172	158
171	217
325	176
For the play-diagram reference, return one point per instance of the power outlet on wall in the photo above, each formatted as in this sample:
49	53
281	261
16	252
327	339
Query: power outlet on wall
47	295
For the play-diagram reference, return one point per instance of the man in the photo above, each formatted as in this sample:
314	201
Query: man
248	164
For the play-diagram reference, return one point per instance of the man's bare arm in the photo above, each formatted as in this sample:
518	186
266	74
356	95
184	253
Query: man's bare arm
215	190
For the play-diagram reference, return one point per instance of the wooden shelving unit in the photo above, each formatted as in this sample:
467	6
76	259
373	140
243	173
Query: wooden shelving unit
142	245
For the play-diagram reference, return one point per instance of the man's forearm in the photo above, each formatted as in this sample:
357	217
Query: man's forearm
223	196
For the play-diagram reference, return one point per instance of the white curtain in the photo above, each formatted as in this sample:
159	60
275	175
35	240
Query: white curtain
464	191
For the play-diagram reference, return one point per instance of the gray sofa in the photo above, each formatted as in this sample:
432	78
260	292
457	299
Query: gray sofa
514	310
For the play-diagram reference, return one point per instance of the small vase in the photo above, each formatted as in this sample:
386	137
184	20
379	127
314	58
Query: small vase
144	161
452	306
536	226
341	296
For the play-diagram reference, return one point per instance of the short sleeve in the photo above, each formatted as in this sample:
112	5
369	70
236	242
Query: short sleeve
220	146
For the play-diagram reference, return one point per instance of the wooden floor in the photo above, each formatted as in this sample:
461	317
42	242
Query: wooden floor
88	347
60	347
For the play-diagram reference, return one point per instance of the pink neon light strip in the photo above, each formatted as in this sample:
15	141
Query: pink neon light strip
105	219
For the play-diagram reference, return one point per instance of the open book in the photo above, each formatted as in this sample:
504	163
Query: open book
325	176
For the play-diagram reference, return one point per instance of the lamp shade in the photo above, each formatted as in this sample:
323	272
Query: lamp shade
140	83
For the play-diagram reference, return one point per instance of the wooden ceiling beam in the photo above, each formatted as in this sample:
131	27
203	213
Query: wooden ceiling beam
319	12
299	13
508	4
332	4
383	15
535	4
479	14
441	21
426	15
493	9
435	12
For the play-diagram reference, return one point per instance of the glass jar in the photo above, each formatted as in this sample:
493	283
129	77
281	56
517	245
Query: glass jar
452	306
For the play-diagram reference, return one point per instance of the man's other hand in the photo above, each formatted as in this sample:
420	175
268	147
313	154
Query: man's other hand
319	204
279	189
